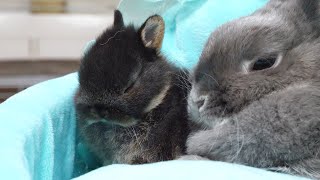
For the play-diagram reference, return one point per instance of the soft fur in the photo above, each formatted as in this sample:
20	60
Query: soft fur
131	103
266	118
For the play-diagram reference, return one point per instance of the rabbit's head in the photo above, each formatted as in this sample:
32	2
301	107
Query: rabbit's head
251	57
123	76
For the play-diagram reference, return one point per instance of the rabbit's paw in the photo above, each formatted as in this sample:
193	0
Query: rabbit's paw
214	144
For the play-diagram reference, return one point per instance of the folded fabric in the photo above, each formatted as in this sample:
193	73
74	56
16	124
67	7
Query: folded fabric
37	137
186	170
37	126
37	132
188	22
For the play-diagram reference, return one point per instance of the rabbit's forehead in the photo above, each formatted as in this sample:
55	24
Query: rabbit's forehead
239	41
243	40
109	73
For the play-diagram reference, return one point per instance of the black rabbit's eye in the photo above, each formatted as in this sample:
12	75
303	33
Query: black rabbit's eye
264	63
134	78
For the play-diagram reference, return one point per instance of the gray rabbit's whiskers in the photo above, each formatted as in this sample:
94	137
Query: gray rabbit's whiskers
206	74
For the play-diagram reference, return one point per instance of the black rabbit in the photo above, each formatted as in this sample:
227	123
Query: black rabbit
131	103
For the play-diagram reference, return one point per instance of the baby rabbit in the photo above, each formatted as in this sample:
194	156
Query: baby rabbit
256	90
131	103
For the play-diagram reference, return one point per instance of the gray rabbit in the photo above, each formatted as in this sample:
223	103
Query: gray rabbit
256	91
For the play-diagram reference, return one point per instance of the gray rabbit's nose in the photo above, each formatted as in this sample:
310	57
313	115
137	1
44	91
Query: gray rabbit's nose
200	103
197	100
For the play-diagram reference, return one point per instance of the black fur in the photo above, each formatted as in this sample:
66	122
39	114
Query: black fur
119	78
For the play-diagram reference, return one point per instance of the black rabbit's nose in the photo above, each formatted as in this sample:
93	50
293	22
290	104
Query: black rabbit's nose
101	110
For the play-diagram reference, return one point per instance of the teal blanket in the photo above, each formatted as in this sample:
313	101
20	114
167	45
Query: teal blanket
37	126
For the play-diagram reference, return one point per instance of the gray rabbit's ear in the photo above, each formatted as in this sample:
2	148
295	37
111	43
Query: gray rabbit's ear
293	7
152	32
118	20
309	7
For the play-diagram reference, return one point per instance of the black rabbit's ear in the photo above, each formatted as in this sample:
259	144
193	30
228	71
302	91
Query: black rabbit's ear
118	20
152	32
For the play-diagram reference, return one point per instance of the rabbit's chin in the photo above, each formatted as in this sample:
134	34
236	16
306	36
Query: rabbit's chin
126	121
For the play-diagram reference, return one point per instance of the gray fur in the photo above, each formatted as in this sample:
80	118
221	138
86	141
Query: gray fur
268	118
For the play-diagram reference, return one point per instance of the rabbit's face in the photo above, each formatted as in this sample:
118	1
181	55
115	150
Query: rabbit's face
247	59
122	77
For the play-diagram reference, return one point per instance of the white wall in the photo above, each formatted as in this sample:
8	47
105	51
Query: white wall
72	6
91	6
14	5
51	36
35	37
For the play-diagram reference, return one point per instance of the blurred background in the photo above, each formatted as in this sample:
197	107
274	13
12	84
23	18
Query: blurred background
44	39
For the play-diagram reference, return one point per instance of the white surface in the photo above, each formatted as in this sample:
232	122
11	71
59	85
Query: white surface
14	48
27	36
22	81
59	48
90	6
186	170
14	5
